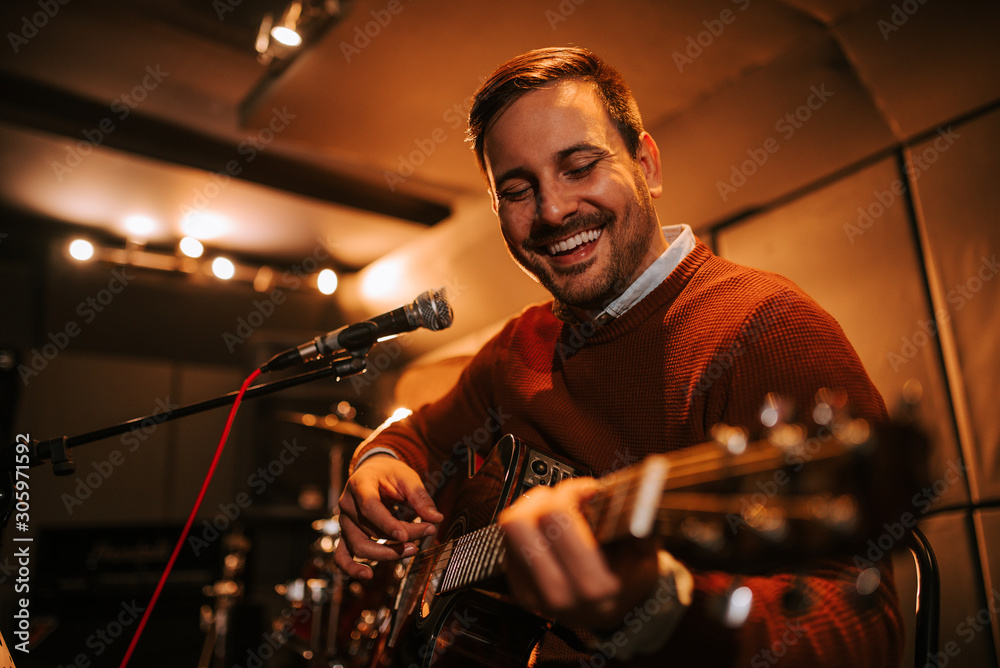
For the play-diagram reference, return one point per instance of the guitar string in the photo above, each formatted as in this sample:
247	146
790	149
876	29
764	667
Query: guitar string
689	463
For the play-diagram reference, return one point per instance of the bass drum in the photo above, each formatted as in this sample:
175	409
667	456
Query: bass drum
334	620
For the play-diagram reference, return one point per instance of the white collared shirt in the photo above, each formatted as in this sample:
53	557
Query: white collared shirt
681	241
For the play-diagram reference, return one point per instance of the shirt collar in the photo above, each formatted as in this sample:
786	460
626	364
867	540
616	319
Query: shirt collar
680	240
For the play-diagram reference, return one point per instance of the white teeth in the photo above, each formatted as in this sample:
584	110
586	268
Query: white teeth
574	241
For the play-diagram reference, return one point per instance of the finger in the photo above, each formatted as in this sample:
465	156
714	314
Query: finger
417	497
361	545
372	512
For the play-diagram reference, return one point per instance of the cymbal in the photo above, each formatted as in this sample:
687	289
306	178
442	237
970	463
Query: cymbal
329	422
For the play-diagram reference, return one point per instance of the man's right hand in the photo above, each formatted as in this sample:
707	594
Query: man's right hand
377	485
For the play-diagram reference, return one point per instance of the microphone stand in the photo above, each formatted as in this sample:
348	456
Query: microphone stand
57	450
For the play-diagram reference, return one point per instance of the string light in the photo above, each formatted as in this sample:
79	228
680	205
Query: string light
191	247
223	268
326	281
81	249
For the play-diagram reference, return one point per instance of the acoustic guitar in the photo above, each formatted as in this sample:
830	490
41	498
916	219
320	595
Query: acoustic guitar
730	504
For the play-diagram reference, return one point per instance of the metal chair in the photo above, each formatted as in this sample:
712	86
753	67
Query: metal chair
928	600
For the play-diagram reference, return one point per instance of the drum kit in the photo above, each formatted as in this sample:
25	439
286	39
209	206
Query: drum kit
329	619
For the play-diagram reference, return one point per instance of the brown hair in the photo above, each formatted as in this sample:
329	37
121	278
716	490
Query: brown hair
541	67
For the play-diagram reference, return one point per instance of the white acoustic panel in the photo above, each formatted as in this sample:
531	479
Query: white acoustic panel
850	246
961	643
960	207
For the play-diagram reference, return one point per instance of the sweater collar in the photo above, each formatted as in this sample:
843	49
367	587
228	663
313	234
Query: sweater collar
680	242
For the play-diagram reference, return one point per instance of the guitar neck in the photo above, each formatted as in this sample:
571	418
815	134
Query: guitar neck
731	502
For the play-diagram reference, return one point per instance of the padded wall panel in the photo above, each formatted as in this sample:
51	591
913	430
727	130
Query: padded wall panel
849	245
925	62
79	393
960	204
952	539
196	438
988	528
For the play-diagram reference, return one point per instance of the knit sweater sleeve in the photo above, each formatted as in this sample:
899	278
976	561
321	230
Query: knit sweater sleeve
823	613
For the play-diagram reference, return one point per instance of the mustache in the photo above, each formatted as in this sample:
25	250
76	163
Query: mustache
541	239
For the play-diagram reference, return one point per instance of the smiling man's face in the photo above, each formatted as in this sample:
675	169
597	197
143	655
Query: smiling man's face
575	208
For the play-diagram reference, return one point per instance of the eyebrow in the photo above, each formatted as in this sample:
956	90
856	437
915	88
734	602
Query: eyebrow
561	155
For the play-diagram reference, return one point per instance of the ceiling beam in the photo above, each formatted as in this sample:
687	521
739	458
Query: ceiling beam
42	107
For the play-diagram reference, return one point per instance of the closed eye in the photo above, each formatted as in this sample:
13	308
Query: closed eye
514	195
580	172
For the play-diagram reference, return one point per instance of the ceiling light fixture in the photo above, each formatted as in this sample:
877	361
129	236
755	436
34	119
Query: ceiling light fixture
286	31
300	22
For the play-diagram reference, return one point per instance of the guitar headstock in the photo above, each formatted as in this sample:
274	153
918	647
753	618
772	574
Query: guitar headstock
800	491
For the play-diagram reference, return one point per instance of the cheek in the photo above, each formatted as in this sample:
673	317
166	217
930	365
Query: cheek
514	228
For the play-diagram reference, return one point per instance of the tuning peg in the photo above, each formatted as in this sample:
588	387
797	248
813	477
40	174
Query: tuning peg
731	439
769	522
706	535
776	410
829	406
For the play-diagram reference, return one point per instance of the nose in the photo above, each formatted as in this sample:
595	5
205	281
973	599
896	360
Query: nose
555	202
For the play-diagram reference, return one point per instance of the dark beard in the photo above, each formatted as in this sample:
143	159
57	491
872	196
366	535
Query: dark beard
628	249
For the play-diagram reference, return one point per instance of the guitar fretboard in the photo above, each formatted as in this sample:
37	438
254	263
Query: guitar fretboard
475	557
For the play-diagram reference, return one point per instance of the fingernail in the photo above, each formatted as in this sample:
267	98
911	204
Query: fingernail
431	529
409	550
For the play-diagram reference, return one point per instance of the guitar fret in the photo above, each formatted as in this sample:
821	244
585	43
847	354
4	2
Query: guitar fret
470	570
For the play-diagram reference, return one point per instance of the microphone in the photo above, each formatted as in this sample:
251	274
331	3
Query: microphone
430	310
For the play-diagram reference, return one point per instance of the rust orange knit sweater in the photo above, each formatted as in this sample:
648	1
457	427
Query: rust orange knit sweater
704	347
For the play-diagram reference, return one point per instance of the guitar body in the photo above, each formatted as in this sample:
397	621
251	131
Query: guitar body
729	504
444	625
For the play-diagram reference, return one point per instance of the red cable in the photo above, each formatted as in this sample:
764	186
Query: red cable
190	519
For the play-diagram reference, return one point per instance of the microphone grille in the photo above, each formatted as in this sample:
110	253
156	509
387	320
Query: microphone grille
434	310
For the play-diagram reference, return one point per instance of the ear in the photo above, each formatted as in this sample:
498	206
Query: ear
649	161
494	201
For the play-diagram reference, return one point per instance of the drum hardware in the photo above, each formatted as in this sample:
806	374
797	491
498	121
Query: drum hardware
227	591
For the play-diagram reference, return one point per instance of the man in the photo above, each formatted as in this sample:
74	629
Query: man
650	341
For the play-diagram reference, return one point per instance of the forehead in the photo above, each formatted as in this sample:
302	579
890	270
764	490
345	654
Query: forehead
542	123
